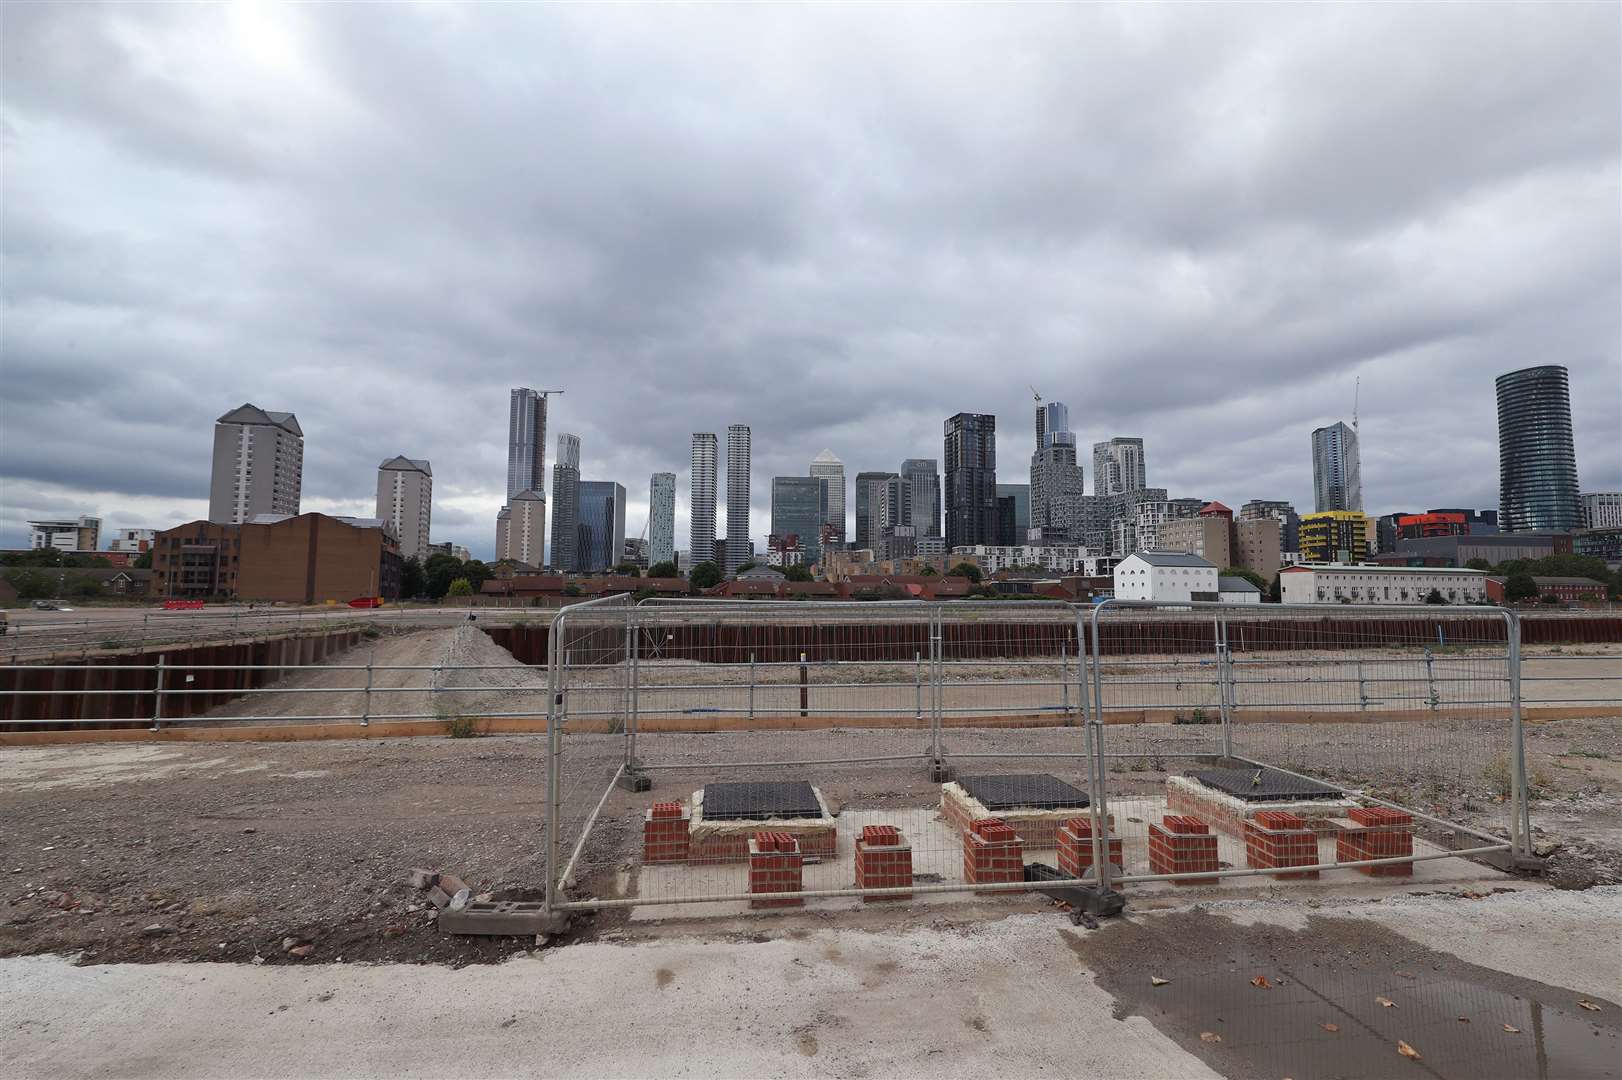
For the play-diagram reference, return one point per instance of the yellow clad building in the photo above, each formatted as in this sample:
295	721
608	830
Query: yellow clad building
1339	536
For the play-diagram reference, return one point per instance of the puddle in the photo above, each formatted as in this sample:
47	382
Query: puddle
1319	1013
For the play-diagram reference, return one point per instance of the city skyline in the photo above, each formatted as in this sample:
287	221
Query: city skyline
1221	309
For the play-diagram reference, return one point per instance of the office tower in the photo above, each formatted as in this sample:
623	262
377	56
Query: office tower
878	505
701	498
662	518
602	525
1289	522
405	501
831	471
797	512
1337	476
526	528
258	465
1014	520
526	441
921	496
1537	462
971	479
1056	478
565	557
1118	466
739	547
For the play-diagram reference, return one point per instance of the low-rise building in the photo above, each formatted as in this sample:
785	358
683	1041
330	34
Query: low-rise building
1237	590
1344	583
1574	589
298	559
992	558
1166	576
66	534
1336	536
132	541
1205	535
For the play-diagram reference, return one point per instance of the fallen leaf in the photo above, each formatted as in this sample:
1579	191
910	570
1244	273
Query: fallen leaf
1330	1027
1156	980
1512	1030
1210	1036
1387	1002
1261	982
1589	1005
1407	1051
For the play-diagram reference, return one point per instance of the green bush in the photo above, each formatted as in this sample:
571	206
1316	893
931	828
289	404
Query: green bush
463	727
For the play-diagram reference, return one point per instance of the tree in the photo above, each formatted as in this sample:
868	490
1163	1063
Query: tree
928	571
413	581
625	569
47	556
1550	598
144	562
32	583
705	575
1275	591
748	566
1518	587
797	573
967	570
477	573
1435	597
439	571
83	587
1249	575
663	569
460	587
1478	563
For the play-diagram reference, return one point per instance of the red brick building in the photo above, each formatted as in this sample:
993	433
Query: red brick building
301	559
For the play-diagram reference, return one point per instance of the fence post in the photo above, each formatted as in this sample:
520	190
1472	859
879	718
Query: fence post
1225	685
918	687
1098	803
157	695
937	751
554	797
1362	691
366	707
1064	681
634	665
751	686
1520	830
805	688
1430	678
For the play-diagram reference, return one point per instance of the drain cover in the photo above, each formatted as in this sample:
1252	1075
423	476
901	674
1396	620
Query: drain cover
1023	791
1263	785
760	801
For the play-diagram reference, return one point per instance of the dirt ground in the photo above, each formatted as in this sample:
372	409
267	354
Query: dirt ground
225	851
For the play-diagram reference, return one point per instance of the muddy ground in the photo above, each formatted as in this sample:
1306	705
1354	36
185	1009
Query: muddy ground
224	851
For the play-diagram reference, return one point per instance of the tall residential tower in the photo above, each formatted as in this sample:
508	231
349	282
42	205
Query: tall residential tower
701	498
739	546
258	465
1537	460
971	479
405	500
1337	472
662	518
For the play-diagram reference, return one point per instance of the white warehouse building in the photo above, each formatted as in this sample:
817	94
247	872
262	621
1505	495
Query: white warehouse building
1344	583
1165	575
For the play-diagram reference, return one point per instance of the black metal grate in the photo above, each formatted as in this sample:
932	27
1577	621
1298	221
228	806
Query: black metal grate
765	800
1023	791
1263	785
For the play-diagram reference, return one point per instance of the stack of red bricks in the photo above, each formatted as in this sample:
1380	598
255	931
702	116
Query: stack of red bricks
1280	838
1075	841
1183	845
775	866
883	861
1376	832
992	853
664	833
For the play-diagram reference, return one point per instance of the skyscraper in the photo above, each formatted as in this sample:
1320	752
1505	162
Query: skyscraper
1537	461
566	506
1013	513
797	511
1118	466
662	518
526	442
405	500
1337	475
971	479
739	546
831	471
258	465
878	506
1056	479
701	498
602	525
921	496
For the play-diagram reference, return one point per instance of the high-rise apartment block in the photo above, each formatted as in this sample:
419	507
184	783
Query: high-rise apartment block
1337	471
797	513
565	557
831	472
701	497
971	479
921	496
1602	510
879	502
1056	478
662	518
1537	459
405	502
1118	466
526	528
1289	522
258	465
739	546
602	525
526	442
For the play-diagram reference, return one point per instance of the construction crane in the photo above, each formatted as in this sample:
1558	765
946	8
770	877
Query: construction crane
1357	392
1035	394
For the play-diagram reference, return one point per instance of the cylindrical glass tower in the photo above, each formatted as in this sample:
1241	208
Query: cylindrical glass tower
1537	463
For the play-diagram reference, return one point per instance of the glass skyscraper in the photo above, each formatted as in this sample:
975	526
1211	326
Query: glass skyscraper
1537	461
602	525
797	510
971	479
1337	470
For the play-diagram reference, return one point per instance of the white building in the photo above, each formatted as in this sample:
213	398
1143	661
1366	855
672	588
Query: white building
405	499
1343	583
1602	510
83	534
990	558
132	541
1165	576
1236	590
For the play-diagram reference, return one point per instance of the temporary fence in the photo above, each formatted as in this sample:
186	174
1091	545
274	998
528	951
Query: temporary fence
778	752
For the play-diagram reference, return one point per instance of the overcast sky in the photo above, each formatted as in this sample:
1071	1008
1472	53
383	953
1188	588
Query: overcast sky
837	224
